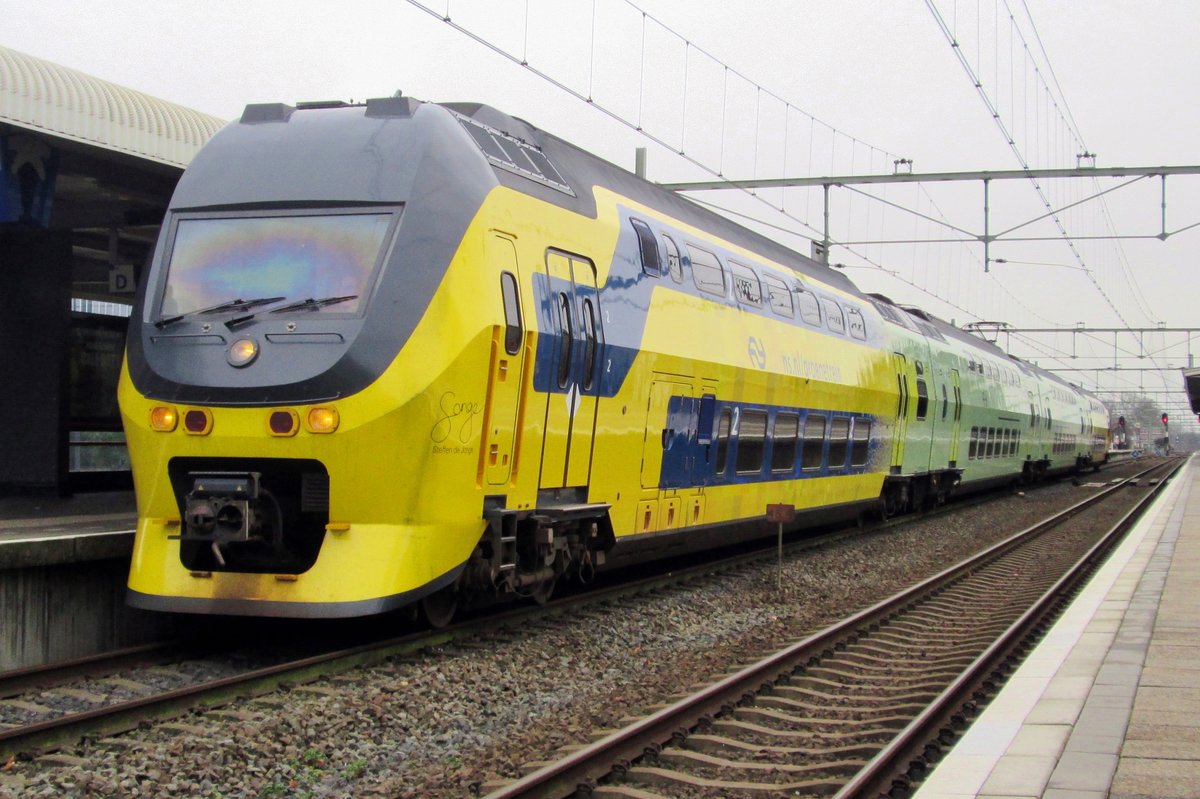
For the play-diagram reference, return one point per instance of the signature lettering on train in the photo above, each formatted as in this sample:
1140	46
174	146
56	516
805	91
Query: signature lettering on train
457	419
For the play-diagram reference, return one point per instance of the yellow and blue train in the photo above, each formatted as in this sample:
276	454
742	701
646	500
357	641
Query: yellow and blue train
403	352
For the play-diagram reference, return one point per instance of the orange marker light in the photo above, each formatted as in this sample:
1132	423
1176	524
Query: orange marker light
322	420
163	418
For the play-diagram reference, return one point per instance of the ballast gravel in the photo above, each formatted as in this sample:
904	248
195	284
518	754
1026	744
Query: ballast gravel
446	721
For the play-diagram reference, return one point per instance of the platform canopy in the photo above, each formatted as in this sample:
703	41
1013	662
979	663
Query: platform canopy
81	152
69	104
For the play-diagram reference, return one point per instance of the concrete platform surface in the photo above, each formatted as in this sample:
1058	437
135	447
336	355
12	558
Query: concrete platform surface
49	530
1107	706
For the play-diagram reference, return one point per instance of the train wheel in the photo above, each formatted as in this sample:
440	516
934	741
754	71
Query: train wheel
439	607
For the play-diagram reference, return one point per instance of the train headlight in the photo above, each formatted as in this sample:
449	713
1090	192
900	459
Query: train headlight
322	420
197	422
283	423
163	418
242	352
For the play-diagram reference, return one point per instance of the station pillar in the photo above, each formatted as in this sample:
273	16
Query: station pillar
35	317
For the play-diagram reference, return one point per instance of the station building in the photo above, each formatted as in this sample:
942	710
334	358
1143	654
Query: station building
87	168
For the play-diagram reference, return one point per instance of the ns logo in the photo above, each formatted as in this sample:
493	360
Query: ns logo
757	352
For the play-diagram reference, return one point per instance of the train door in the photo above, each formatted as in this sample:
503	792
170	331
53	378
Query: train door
668	426
901	429
956	430
571	315
506	366
676	453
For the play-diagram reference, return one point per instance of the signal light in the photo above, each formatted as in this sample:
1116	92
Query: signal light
1164	420
1120	421
197	422
322	420
163	418
283	423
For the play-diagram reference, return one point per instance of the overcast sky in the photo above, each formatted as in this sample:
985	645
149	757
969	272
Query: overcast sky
880	72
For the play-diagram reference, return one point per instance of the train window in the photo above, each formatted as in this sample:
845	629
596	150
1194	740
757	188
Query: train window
751	437
320	254
833	316
974	451
746	288
922	398
945	401
778	296
707	272
674	264
651	260
1005	443
513	332
723	424
839	438
564	339
862	437
589	344
854	319
809	310
991	443
783	442
814	442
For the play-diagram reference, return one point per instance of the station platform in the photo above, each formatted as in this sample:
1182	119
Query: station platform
48	530
1108	703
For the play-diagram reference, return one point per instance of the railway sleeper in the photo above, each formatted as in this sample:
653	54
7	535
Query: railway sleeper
664	778
719	744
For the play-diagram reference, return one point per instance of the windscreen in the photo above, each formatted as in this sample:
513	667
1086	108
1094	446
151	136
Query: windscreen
298	257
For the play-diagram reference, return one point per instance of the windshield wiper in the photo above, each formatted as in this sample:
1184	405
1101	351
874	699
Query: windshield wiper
311	305
228	305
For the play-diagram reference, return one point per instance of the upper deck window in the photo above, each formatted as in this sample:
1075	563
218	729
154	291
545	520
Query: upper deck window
674	264
326	259
707	271
809	311
779	296
648	247
858	328
833	316
746	288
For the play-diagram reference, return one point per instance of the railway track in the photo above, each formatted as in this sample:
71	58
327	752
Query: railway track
55	705
61	703
863	707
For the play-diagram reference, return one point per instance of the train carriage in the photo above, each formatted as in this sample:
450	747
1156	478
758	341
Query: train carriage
401	352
